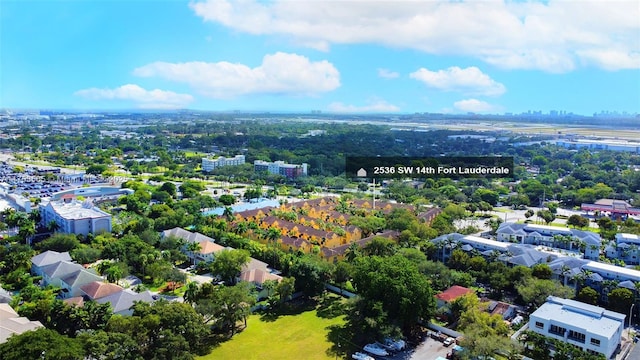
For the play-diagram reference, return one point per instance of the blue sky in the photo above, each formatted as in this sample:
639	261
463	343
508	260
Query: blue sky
340	56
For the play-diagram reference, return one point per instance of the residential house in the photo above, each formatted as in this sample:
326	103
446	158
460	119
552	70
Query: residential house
5	296
68	276
13	324
290	244
588	327
507	311
52	273
122	301
429	215
451	294
207	245
99	289
47	258
338	252
77	301
185	235
72	283
257	277
207	252
253	215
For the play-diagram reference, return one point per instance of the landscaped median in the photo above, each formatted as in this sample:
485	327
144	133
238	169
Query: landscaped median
298	336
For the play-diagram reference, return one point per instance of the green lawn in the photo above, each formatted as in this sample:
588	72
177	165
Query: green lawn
300	336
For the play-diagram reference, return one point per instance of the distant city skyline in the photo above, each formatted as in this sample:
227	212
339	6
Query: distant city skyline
487	57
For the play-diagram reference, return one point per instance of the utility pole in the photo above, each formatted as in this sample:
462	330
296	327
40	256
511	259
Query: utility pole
373	207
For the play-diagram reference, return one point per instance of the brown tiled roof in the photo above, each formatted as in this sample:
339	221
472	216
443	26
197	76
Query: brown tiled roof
429	214
294	242
259	276
98	289
208	247
253	213
74	301
340	250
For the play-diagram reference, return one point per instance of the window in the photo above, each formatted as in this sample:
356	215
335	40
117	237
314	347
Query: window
595	342
577	336
539	325
557	330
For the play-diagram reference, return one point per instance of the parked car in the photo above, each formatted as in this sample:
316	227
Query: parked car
449	341
394	345
375	350
361	356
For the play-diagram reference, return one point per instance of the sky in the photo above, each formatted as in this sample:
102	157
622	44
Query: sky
338	56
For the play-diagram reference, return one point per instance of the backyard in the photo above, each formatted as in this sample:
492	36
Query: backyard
295	333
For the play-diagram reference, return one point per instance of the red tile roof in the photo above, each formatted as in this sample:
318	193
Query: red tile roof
453	293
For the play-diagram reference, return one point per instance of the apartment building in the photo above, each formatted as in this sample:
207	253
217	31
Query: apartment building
588	327
76	217
290	171
585	242
209	165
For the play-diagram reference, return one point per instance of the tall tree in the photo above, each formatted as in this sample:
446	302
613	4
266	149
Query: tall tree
397	285
228	264
41	344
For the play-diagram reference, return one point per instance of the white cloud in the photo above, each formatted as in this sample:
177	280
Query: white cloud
468	80
145	99
376	105
279	73
387	74
554	36
474	105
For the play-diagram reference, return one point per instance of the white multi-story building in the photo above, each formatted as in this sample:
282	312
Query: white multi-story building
592	144
212	164
626	248
290	171
75	217
552	236
588	327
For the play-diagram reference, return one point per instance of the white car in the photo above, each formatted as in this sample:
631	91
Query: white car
395	345
361	356
375	350
449	341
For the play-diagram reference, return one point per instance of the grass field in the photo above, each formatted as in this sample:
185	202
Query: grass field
298	336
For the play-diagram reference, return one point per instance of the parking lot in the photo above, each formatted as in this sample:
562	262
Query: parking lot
429	349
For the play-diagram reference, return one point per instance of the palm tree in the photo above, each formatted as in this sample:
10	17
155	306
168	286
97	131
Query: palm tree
228	213
191	293
564	270
34	216
27	230
241	228
53	226
194	247
102	266
273	234
144	260
269	285
352	252
114	273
